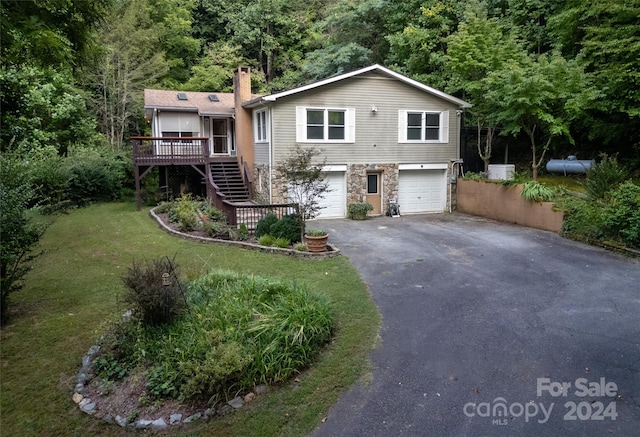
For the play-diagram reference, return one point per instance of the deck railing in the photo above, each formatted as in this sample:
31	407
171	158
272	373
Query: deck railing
250	214
157	150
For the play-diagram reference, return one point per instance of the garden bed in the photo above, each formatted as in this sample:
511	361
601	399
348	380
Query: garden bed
251	243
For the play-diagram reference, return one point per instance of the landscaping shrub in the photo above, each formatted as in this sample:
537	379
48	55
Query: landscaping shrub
50	178
263	227
154	292
19	237
534	191
282	242
266	240
243	232
605	176
622	215
217	229
288	227
583	219
95	176
185	213
240	330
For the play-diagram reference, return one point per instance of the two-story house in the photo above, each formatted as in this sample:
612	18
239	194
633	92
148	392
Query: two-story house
384	136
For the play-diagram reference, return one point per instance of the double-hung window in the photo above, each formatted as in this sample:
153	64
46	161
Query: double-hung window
423	127
260	126
325	125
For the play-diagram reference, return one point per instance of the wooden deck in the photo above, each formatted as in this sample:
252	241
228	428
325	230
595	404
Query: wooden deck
172	151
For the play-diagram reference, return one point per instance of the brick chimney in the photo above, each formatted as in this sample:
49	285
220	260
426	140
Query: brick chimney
243	124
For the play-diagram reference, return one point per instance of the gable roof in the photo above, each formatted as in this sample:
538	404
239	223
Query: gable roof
376	68
195	102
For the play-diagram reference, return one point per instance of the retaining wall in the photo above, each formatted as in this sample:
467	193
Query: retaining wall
504	203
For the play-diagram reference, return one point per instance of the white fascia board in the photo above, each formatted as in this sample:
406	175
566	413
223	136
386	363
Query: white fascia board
422	167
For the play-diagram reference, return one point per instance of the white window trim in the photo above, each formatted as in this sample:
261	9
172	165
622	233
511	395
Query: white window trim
256	126
443	136
349	121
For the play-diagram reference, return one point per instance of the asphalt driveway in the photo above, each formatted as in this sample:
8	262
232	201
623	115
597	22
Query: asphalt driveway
491	329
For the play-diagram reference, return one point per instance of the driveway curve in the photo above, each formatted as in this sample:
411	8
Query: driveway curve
491	329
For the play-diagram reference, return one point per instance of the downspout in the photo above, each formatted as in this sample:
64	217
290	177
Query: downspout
270	179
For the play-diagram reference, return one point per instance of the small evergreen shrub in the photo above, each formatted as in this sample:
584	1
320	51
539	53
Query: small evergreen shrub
263	227
288	227
154	292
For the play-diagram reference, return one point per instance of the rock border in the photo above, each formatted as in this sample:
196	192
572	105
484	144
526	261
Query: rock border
91	407
333	252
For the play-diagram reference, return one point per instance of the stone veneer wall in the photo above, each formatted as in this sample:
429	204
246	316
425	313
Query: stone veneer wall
261	183
357	182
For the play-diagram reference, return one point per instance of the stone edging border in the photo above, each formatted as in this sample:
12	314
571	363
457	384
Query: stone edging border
91	407
334	252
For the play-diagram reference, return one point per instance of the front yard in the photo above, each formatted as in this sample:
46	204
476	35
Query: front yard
75	285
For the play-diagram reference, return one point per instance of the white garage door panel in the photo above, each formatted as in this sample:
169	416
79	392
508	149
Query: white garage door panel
422	191
334	202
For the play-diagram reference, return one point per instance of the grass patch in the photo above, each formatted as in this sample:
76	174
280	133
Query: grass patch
574	183
76	285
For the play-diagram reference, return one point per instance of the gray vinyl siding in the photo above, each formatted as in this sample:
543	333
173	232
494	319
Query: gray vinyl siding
261	153
376	133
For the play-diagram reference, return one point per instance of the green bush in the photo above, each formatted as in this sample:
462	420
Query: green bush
583	219
243	232
95	176
241	330
50	178
288	227
534	191
154	291
218	230
185	213
359	210
604	177
18	235
282	242
263	227
267	240
622	216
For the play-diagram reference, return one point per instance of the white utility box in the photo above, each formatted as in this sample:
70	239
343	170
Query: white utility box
501	172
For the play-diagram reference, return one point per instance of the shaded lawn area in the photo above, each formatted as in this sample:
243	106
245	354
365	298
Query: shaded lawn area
75	285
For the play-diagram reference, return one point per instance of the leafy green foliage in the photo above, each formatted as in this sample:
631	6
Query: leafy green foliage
534	191
622	216
267	240
154	292
18	235
306	184
241	330
95	175
288	228
604	177
359	210
263	227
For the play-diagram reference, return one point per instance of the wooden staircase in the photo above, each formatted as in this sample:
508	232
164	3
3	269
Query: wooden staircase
226	175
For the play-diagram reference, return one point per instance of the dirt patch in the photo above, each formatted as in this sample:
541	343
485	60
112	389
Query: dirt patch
128	398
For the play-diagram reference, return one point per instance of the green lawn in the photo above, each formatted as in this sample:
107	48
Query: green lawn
75	285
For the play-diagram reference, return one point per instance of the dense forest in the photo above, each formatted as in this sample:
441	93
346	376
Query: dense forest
556	75
547	78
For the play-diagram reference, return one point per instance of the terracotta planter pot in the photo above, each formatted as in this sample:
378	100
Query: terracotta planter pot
316	244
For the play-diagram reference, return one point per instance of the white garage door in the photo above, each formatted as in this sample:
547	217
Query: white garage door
334	202
422	191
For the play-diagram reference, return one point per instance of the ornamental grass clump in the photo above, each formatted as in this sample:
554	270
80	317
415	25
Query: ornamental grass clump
240	331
